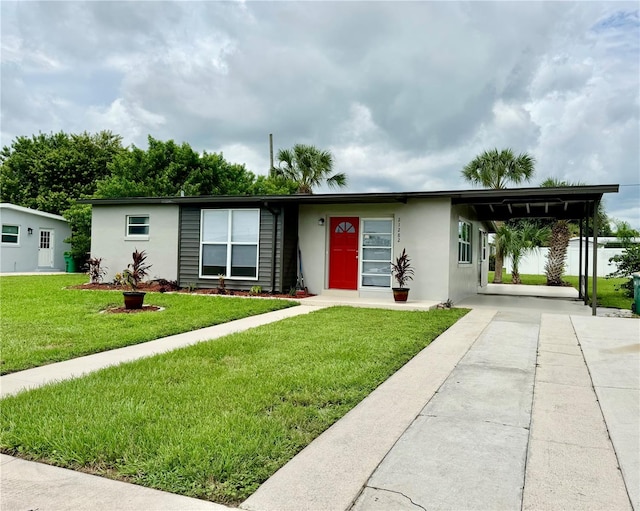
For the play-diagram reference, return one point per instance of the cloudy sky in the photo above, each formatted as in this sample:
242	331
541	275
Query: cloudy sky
404	94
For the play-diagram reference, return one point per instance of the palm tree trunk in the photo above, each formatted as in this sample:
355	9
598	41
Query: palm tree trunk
497	276
554	268
515	277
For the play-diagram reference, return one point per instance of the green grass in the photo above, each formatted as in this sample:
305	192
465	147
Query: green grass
608	296
216	419
42	322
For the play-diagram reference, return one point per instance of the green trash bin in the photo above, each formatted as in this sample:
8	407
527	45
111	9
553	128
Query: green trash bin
635	306
69	263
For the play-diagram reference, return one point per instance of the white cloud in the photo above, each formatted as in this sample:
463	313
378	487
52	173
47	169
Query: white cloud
128	119
403	94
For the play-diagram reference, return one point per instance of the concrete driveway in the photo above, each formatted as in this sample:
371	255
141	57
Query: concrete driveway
526	403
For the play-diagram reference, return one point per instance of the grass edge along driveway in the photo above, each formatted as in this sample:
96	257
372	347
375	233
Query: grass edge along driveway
42	322
216	419
608	295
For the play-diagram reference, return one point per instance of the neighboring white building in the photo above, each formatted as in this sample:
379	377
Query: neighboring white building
534	262
32	240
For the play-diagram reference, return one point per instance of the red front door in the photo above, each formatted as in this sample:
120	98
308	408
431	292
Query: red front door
343	253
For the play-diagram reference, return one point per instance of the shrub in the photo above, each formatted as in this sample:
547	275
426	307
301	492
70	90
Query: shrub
401	269
137	270
628	263
96	270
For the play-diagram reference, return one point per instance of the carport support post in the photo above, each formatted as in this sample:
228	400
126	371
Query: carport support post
594	274
586	258
580	261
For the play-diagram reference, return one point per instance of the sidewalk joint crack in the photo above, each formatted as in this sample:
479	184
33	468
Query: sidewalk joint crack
399	493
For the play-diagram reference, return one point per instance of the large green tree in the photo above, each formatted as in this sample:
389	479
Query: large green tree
309	167
49	172
496	169
167	169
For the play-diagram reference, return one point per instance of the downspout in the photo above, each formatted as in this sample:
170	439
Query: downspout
274	239
178	262
594	293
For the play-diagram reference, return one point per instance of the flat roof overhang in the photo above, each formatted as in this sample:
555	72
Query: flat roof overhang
571	202
567	203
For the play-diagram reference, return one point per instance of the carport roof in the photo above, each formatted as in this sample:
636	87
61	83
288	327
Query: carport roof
571	202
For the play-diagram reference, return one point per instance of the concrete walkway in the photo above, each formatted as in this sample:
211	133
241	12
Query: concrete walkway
514	407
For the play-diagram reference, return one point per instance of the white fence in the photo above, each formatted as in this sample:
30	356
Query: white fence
533	263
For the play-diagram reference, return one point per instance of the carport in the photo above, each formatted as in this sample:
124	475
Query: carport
575	203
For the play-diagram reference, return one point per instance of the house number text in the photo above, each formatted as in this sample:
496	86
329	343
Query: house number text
398	230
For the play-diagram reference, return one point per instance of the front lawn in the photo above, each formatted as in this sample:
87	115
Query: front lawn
607	294
42	322
216	419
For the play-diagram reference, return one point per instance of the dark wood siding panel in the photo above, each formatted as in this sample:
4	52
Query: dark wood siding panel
289	251
189	246
265	251
189	258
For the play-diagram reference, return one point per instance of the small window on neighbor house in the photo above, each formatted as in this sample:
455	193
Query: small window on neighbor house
137	226
10	234
464	242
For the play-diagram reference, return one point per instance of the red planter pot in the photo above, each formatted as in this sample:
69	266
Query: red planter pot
400	294
133	299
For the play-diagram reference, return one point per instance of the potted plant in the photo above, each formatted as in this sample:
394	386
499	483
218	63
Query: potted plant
402	272
132	277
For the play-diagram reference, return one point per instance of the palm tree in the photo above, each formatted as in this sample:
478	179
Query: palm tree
516	242
493	169
558	243
309	167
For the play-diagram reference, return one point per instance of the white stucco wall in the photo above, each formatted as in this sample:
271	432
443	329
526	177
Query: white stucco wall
109	240
465	278
422	227
23	257
533	263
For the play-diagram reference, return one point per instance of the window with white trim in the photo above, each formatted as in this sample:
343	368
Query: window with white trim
229	243
10	234
376	252
137	225
464	242
483	249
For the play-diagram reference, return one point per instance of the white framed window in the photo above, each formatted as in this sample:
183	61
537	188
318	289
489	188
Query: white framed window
10	234
229	243
375	269
483	248
464	241
137	226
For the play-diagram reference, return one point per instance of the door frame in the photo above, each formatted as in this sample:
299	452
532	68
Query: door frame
51	248
356	264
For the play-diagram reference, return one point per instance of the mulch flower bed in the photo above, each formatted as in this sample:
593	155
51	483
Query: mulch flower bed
165	287
122	310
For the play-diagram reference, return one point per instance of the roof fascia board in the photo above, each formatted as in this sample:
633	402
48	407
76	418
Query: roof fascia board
22	209
593	192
